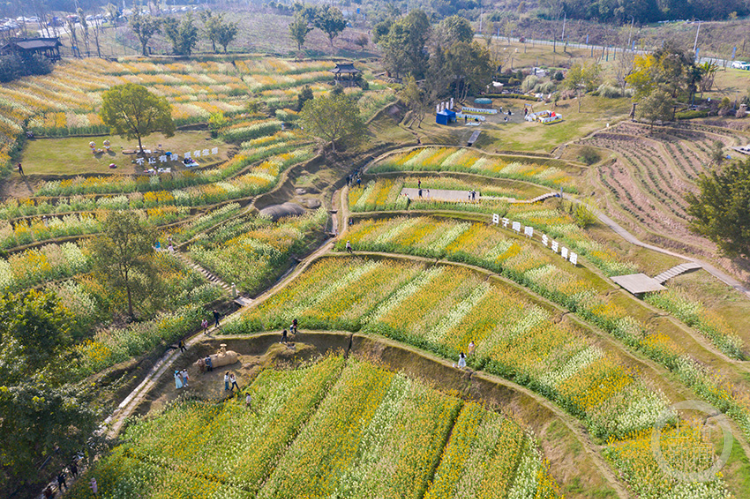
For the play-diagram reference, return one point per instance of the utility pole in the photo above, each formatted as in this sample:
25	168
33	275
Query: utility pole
565	18
630	33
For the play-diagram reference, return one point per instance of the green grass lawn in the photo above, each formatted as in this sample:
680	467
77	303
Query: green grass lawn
72	155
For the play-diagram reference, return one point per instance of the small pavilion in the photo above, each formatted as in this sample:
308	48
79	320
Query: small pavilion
24	47
345	72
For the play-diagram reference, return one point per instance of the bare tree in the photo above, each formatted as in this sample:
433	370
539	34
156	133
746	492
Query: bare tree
623	67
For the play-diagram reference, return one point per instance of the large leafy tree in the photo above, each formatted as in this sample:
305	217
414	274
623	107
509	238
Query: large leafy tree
298	29
123	256
132	111
470	66
658	106
144	27
333	119
40	415
720	210
583	77
330	21
404	45
668	68
455	29
183	34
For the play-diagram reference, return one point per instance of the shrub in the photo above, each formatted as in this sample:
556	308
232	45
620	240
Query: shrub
545	88
559	76
609	91
689	115
529	83
589	155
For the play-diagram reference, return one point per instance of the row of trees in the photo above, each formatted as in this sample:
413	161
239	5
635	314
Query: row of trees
445	56
327	19
184	34
644	10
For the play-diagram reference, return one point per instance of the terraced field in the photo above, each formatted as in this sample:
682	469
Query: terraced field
338	428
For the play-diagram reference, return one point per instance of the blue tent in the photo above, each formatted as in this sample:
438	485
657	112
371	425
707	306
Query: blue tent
445	116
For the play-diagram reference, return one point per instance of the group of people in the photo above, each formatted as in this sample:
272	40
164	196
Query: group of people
462	356
230	382
293	327
181	378
354	178
62	483
473	195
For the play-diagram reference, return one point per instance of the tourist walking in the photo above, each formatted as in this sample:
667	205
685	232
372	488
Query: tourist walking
204	326
94	487
233	380
226	381
73	469
48	493
419	183
181	344
359	182
283	336
209	364
294	326
216	317
61	481
248	401
177	380
461	360
185	377
471	347
20	170
349	247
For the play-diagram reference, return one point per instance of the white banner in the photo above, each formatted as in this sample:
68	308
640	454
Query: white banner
529	231
554	246
495	218
573	258
517	226
564	253
544	239
505	222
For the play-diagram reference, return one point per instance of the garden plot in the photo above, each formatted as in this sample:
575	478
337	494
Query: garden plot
252	252
448	159
442	309
333	429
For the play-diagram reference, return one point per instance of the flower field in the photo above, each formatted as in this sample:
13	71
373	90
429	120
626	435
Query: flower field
251	252
332	429
66	102
443	309
536	268
449	159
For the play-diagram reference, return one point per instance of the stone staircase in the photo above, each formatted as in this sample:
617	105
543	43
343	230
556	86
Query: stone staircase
677	270
240	300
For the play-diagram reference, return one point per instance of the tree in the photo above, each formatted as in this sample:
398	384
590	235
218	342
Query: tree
708	75
227	34
144	27
404	45
303	96
182	34
333	119
656	107
211	26
40	416
330	21
85	28
123	256
97	31
583	77
362	41
217	30
720	211
455	29
470	66
132	111
414	99
298	29
717	152
669	68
